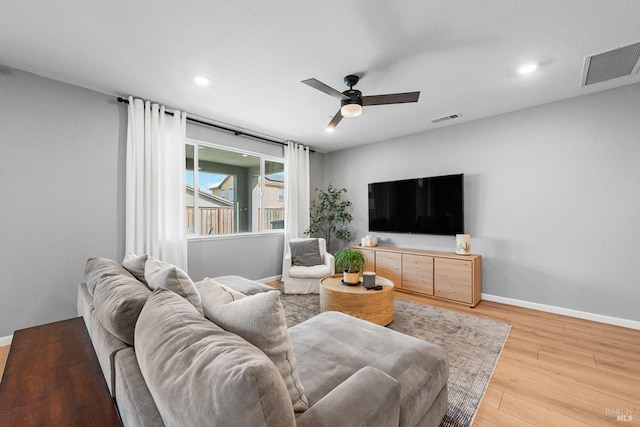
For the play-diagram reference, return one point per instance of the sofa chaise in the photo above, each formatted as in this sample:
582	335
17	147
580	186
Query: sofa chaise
167	364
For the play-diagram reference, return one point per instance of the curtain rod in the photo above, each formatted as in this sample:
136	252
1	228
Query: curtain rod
234	131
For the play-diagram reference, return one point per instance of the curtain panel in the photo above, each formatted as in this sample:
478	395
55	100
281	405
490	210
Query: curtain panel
297	197
155	183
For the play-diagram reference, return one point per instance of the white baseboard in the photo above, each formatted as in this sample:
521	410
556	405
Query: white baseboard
625	323
6	340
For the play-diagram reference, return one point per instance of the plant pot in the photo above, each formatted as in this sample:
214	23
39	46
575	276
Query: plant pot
351	278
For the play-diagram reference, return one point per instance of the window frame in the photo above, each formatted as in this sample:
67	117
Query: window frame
263	159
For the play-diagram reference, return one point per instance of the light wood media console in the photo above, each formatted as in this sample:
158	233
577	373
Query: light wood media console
443	275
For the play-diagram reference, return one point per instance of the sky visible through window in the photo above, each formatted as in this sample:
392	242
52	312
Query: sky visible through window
208	179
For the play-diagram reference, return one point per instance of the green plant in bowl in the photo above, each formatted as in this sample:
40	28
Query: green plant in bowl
351	262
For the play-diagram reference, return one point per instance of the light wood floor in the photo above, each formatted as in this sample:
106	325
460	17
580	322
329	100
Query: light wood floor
553	371
557	371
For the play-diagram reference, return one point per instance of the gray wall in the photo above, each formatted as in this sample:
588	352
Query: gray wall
62	151
62	186
552	197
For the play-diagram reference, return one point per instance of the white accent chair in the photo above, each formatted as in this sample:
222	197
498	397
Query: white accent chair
306	280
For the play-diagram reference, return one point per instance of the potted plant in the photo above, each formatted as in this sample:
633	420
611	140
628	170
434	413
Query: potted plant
351	262
330	217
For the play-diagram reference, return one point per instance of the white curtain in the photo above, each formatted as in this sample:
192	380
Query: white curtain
297	198
155	183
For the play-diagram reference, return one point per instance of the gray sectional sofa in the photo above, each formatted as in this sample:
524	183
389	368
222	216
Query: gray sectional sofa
167	363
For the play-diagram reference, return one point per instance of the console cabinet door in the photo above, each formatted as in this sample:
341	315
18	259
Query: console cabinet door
370	259
389	265
453	279
417	273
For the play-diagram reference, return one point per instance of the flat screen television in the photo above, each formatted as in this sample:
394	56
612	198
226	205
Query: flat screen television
432	205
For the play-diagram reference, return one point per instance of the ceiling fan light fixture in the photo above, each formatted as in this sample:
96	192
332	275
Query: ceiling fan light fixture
528	68
351	110
201	81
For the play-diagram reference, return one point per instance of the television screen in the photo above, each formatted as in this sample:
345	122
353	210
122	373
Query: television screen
431	205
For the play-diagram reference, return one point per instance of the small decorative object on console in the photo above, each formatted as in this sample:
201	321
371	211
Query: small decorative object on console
369	279
368	241
463	244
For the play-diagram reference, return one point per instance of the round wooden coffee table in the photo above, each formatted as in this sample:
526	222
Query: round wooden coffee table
357	301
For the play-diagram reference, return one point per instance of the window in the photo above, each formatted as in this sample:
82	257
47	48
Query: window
237	192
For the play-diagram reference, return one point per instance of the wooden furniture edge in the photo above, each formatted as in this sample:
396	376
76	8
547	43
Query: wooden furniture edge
476	273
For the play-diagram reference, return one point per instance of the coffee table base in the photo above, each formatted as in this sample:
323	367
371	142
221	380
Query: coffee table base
373	306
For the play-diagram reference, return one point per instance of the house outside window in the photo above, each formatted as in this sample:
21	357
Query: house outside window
238	192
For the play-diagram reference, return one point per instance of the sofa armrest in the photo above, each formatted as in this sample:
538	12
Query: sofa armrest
330	262
367	398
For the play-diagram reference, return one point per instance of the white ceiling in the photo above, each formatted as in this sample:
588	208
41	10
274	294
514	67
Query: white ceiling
461	54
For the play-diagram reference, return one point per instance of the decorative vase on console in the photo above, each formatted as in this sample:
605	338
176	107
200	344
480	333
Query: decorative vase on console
463	244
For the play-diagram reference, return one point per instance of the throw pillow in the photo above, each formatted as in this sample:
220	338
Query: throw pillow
199	374
213	293
305	253
260	319
96	269
240	284
159	274
134	264
117	301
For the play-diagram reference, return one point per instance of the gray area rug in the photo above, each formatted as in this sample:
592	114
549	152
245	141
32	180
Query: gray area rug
473	344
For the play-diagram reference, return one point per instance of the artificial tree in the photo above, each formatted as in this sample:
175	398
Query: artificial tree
330	217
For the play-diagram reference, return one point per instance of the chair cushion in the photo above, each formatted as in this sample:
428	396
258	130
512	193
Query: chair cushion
259	319
315	272
159	274
305	252
199	374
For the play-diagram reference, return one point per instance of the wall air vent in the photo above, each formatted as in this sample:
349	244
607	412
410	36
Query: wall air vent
620	62
446	118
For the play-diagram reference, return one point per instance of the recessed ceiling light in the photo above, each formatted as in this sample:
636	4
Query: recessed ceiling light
526	69
201	80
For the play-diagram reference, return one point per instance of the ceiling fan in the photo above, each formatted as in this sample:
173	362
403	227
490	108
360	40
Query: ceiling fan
352	101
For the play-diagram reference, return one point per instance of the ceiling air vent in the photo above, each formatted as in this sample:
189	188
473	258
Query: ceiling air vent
446	118
620	62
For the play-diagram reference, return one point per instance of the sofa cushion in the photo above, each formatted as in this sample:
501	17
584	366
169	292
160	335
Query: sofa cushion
160	274
260	319
349	344
118	300
199	374
241	284
135	403
134	264
305	252
96	269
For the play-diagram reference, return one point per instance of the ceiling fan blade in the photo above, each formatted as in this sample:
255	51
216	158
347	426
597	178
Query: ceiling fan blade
392	98
317	84
334	122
